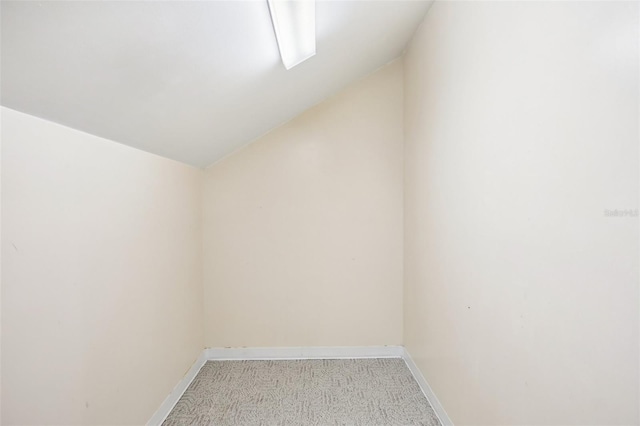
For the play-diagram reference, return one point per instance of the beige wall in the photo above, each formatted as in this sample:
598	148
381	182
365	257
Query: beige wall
303	228
101	276
521	126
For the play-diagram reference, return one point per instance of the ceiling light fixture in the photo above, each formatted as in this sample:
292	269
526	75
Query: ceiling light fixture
294	22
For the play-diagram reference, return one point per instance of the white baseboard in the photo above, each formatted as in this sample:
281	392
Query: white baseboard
317	352
170	401
426	389
310	352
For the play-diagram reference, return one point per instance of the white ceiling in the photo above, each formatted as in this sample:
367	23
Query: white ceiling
187	80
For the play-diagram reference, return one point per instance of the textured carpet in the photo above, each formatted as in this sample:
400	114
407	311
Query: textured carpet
364	392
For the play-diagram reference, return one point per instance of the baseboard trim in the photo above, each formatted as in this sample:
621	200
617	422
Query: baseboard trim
426	389
170	401
309	352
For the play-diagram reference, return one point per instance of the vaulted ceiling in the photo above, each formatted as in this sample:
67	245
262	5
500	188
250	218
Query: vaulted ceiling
188	80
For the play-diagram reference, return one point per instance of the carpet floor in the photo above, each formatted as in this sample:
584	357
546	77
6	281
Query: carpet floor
367	392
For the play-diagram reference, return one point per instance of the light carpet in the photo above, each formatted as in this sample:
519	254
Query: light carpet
367	392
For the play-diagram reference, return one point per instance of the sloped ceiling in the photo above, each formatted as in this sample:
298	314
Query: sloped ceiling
191	81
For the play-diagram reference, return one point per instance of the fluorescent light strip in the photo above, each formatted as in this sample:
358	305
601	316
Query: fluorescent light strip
294	22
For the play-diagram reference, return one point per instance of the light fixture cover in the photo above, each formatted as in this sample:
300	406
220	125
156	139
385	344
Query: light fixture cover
294	22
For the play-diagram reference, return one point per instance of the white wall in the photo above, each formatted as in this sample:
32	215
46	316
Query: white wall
521	127
303	228
101	276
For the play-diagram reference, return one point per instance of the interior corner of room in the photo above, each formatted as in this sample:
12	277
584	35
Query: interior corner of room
452	183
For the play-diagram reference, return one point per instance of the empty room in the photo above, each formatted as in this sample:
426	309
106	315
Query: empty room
319	212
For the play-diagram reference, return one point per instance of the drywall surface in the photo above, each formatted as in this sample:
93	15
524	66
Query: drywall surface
303	228
521	129
101	276
190	80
